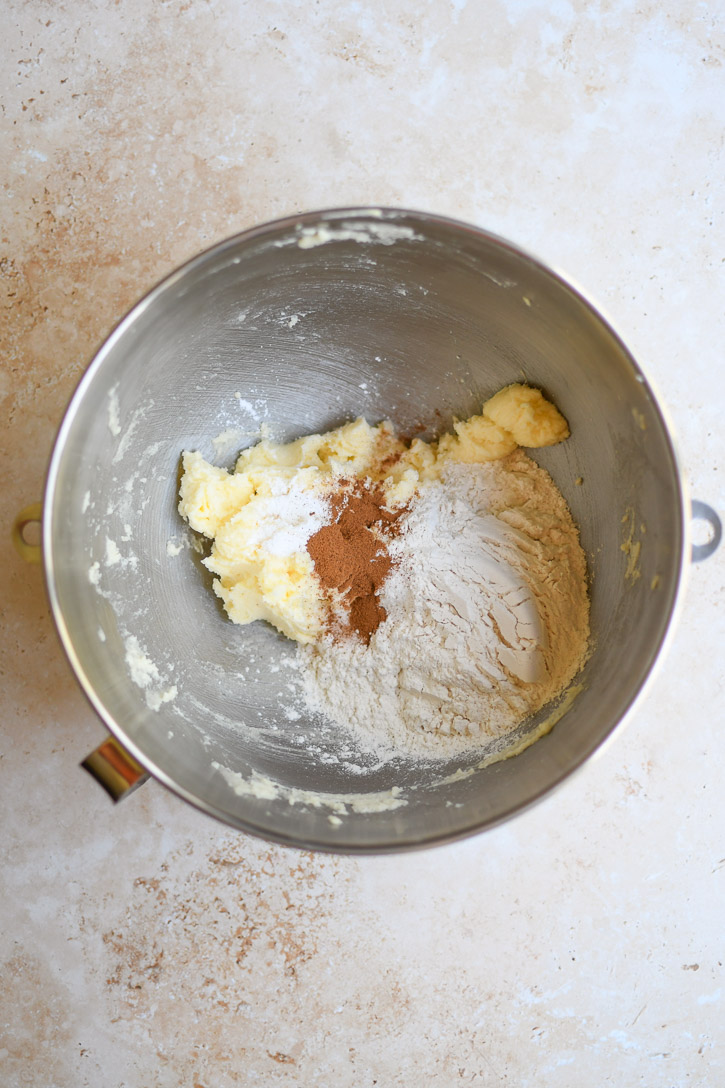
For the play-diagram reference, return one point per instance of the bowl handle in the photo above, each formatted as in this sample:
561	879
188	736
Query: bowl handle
110	764
31	553
117	771
702	512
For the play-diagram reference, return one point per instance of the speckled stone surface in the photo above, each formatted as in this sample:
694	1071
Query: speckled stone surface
144	946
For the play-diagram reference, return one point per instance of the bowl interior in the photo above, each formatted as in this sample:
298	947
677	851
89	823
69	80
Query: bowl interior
302	325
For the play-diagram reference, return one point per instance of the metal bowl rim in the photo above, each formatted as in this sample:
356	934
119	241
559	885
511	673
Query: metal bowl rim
311	218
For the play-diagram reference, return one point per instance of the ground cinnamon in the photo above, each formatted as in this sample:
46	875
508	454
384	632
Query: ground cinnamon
351	558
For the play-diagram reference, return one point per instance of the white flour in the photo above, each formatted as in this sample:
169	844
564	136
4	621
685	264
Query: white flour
487	618
287	518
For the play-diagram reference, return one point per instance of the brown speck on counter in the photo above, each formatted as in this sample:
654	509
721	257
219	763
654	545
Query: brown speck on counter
232	914
283	1059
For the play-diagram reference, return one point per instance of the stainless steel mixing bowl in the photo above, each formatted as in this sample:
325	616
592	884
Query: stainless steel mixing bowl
303	324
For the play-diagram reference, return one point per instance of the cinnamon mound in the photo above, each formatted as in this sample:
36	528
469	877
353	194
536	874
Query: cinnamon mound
351	557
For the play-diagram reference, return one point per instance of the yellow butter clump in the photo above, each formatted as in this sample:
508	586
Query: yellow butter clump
529	418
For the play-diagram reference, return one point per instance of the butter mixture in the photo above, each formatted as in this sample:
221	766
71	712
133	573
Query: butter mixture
444	580
261	516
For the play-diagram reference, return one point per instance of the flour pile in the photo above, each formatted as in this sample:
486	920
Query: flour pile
487	617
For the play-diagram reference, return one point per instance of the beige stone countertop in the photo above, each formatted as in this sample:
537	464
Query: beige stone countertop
146	946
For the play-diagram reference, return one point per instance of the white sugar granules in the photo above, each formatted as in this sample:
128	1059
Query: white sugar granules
487	618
